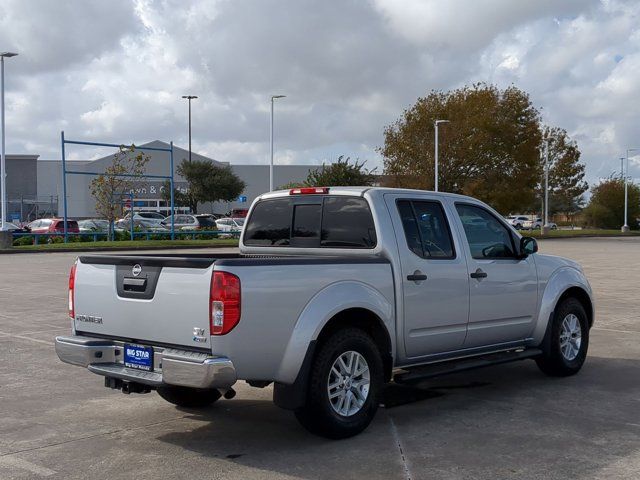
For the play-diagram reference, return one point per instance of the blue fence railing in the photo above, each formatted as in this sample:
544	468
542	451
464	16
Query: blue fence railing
136	234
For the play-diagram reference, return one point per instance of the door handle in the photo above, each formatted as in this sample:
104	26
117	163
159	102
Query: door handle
417	276
478	274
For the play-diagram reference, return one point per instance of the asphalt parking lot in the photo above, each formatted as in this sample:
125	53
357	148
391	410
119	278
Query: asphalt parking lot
509	421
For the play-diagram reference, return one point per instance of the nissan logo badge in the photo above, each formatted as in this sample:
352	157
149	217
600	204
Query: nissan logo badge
136	270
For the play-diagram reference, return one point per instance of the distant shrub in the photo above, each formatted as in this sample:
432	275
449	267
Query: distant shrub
27	240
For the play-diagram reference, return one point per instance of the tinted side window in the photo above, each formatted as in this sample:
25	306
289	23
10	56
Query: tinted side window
270	224
487	236
426	229
347	223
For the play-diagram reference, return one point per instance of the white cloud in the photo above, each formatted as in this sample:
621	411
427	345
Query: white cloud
115	71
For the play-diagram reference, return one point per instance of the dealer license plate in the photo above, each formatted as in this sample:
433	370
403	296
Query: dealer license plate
138	356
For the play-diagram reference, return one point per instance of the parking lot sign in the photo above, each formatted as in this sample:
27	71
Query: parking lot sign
242	199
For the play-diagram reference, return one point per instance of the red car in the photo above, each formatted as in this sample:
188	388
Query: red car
52	225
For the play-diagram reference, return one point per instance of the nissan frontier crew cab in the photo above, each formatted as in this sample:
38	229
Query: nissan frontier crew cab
335	292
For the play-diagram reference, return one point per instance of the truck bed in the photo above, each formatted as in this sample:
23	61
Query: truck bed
167	302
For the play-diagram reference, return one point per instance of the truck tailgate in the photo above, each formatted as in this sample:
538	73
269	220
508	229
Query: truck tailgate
144	299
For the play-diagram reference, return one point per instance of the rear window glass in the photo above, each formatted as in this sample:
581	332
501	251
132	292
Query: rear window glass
70	224
306	221
270	224
331	222
207	221
347	223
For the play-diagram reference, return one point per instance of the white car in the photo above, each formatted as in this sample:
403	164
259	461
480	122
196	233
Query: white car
230	225
537	223
149	217
517	220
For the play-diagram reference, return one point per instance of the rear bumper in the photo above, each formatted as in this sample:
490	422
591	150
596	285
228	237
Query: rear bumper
171	366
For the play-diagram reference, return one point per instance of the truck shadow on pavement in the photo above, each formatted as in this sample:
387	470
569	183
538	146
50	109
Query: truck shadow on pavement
462	424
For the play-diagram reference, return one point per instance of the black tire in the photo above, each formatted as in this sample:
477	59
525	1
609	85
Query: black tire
318	415
553	362
189	397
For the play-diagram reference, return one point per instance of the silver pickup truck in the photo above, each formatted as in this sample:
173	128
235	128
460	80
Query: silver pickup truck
335	292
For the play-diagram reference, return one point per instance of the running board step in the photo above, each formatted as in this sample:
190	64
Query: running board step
455	366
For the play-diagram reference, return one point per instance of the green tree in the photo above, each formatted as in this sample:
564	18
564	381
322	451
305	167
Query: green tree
342	173
108	188
566	173
606	206
206	182
490	150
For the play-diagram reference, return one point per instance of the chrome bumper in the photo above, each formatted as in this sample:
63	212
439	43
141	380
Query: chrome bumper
171	366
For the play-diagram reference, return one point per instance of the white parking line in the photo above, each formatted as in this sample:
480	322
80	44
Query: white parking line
615	330
13	461
403	457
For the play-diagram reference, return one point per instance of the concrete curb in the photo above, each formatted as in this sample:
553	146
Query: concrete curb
620	235
112	249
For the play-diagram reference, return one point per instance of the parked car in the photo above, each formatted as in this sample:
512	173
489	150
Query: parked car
239	212
335	291
13	228
93	225
153	217
140	224
52	225
230	225
517	220
191	222
537	223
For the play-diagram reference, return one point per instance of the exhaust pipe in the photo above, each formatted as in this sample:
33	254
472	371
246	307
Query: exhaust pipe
229	394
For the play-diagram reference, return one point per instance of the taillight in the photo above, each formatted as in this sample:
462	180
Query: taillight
72	284
308	190
224	307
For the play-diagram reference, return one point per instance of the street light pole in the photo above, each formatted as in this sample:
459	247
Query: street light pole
625	227
273	97
3	160
189	97
435	173
545	227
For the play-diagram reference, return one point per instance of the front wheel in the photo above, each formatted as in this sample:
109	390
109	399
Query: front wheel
344	386
189	397
567	340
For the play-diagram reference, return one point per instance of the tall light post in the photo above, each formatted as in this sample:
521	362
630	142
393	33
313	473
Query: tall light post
3	173
189	97
273	97
435	125
545	226
625	227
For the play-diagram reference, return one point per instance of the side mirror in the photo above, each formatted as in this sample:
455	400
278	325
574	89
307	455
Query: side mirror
528	245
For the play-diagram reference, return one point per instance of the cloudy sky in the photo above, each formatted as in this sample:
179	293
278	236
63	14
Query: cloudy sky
114	71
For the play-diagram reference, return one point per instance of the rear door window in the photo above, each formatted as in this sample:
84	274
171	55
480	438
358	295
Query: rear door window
426	229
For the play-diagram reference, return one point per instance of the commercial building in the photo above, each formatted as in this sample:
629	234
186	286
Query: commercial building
34	186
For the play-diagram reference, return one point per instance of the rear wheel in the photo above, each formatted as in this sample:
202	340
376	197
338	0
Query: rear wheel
344	387
189	397
567	340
